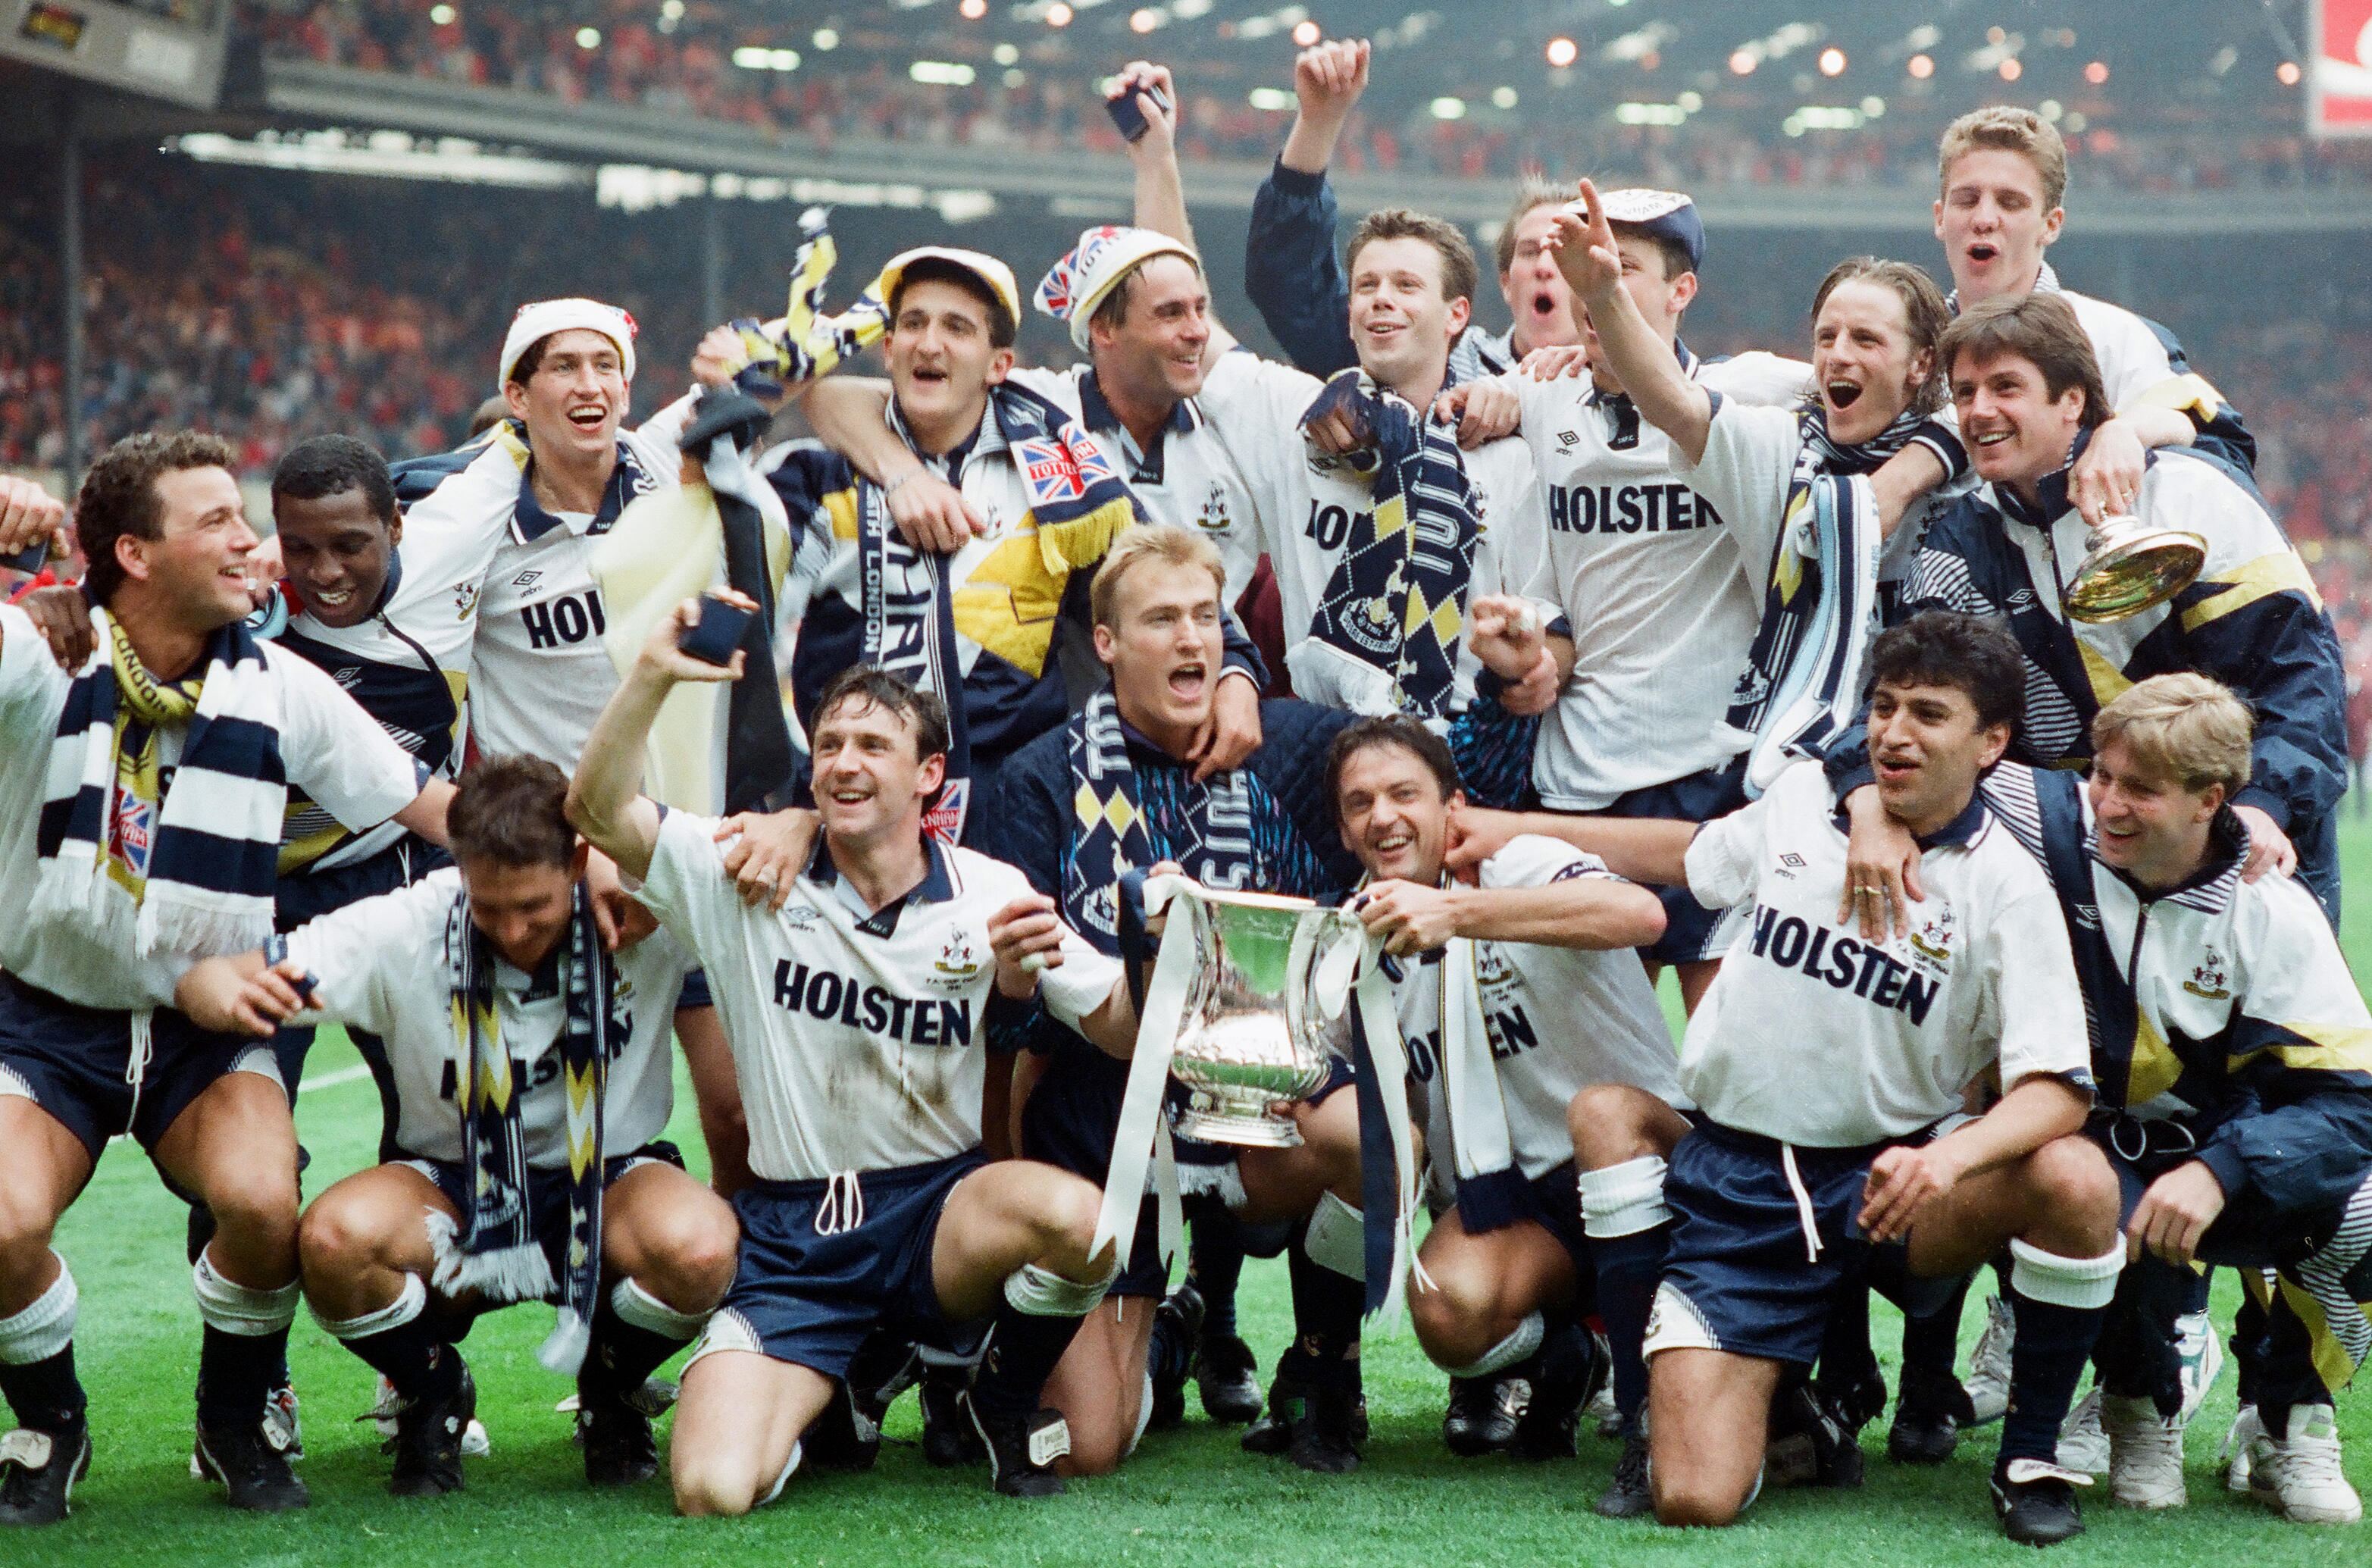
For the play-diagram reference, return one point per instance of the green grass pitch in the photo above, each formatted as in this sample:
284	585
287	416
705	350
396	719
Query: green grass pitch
1187	1497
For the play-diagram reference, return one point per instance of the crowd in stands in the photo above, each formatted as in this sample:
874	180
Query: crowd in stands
269	308
683	65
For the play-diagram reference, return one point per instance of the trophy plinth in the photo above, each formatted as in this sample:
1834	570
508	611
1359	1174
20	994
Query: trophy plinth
1251	1034
2130	568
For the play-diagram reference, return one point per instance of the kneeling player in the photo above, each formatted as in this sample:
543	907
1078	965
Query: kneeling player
1526	992
561	1044
856	1017
1829	1069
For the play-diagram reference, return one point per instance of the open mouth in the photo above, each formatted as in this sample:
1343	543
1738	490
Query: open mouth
1989	439
328	599
928	376
848	794
1843	395
1393	842
589	416
1983	252
1894	769
1543	303
1186	682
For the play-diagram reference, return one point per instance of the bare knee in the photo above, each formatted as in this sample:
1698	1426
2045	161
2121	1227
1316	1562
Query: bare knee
1065	1214
1684	1501
254	1201
1614	1122
704	1492
1451	1321
694	1256
2070	1182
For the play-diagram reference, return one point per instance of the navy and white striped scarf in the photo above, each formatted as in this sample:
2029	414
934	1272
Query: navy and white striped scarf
1802	677
1396	602
150	863
492	1251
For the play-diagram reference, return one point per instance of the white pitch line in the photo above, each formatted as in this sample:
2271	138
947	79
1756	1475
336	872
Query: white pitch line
331	1080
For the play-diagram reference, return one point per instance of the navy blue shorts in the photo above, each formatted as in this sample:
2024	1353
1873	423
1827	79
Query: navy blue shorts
1699	797
75	1064
1740	1276
1072	1117
811	1299
2250	1233
547	1192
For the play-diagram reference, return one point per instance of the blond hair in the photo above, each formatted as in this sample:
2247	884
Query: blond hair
1532	191
1164	542
2011	129
2185	725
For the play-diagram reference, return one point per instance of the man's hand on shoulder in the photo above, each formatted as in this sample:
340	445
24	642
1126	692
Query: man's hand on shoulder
765	851
1411	917
1228	741
2269	848
62	615
29	515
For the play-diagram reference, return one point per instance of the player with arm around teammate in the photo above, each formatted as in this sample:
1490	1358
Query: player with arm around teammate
496	1120
1520	989
858	1020
141	805
1833	1157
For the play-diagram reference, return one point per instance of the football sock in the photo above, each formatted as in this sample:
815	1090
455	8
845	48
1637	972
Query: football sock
37	1364
397	1343
244	1350
2060	1303
1630	1230
633	1331
1033	1326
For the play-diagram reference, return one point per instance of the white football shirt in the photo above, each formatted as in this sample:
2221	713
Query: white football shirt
1307	504
861	1040
1559	1019
1653	577
1812	1036
381	964
328	748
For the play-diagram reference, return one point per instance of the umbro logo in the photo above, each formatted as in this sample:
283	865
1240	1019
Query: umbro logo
349	678
1568	438
2088	916
2021	599
1793	862
525	579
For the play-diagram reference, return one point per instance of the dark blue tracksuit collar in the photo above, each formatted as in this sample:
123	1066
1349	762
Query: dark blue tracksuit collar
1139	741
2050	502
949	463
532	522
2212	886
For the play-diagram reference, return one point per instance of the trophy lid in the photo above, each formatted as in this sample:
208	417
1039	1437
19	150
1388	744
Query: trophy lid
2135	569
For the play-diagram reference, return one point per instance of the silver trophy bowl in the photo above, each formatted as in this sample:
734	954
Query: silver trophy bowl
1252	1033
2129	567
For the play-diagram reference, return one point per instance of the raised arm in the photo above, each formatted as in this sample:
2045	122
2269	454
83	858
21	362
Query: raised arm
1644	362
1290	268
605	802
1643	849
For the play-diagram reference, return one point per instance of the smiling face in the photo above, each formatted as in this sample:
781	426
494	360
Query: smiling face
575	398
2150	827
870	783
335	551
195	570
1164	645
1537	295
1927	748
1394	815
1661	298
2015	430
1863	360
1155	356
1400	322
523	910
1993	223
941	362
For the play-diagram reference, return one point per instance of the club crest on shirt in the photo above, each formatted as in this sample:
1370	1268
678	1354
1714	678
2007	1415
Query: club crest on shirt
1214	516
2208	979
465	600
1492	969
1933	938
959	961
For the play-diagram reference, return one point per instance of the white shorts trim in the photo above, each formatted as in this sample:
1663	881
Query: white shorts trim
1676	1324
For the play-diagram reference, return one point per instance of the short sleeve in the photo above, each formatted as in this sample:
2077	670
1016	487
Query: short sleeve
1535	860
336	752
1725	859
687	888
1770	380
2042	1010
358	954
32	687
1749	456
1078	985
